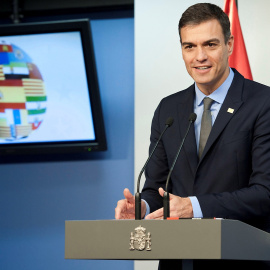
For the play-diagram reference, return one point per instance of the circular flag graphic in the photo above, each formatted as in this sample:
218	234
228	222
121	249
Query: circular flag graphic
22	94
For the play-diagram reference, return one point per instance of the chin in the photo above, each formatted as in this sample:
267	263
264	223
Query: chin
202	81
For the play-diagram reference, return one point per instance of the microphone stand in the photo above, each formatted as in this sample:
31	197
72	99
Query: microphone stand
138	201
166	196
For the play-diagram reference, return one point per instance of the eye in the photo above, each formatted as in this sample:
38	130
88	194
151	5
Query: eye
189	47
211	45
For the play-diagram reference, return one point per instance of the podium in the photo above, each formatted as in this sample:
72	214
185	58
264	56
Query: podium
187	239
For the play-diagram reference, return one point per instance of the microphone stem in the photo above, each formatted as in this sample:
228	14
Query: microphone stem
143	169
166	197
138	195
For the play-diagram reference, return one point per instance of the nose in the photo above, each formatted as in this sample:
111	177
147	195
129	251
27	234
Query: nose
201	54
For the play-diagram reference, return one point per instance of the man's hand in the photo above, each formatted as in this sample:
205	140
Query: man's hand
179	207
125	208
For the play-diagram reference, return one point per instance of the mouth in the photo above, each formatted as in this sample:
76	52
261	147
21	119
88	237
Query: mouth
203	68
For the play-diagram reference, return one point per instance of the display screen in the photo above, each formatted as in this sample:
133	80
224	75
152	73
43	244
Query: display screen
49	96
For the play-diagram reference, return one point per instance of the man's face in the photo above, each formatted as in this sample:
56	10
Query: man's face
206	54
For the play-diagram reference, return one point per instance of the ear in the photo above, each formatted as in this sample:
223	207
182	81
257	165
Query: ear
230	44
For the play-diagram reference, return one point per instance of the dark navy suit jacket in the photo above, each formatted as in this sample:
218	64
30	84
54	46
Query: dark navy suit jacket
232	179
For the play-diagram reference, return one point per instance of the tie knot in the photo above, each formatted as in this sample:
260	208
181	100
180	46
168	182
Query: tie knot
207	102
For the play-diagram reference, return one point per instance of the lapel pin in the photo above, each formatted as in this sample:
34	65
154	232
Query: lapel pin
230	110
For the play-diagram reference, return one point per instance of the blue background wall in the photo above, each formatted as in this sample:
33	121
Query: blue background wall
37	197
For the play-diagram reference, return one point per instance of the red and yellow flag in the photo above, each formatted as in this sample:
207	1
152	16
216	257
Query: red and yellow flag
239	57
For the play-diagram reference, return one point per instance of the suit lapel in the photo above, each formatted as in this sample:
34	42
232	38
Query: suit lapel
233	101
185	108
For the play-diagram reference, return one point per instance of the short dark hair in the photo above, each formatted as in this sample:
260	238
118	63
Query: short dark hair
203	12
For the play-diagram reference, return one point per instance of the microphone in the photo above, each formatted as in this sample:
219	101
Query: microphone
166	199
168	123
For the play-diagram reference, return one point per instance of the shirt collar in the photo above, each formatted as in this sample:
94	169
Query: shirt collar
218	95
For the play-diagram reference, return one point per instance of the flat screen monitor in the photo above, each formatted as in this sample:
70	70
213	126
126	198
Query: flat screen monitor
49	94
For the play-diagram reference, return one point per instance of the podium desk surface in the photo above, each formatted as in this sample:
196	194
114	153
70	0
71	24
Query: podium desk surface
165	239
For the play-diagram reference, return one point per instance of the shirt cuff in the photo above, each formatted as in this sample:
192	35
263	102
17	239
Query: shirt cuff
147	208
197	211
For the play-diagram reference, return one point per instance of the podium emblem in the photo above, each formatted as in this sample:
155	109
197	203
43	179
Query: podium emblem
140	240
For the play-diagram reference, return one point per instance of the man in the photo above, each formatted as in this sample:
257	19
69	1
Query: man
229	177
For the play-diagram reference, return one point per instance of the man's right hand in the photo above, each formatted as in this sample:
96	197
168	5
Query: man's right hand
125	208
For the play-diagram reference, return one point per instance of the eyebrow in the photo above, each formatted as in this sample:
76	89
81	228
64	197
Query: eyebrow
216	40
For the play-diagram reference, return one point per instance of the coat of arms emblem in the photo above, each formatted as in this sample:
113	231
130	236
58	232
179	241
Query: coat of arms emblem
139	240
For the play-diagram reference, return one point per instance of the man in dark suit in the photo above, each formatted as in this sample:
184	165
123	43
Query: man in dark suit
230	176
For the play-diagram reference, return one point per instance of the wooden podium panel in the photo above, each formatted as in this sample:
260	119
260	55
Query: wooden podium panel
170	239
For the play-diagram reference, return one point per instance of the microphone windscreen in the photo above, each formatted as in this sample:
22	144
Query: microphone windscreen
169	121
192	117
